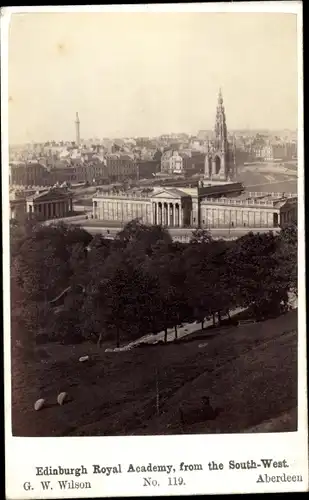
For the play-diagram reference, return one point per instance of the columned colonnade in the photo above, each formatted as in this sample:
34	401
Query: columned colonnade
51	209
167	214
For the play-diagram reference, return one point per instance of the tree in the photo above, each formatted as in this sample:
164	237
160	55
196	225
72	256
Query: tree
287	257
167	266
121	297
206	280
66	325
40	270
143	236
201	236
196	285
255	267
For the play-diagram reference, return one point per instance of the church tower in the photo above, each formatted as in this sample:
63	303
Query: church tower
219	157
220	126
77	130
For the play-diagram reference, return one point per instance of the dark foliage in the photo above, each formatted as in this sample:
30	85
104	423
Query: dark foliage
141	282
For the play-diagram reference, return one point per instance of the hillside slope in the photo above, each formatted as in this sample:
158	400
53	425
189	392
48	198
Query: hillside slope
248	372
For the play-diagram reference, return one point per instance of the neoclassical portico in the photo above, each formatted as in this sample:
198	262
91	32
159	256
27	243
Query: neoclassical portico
169	208
50	204
167	214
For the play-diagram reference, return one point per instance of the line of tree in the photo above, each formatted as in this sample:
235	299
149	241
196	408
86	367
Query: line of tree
141	282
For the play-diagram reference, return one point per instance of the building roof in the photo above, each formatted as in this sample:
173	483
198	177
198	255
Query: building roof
220	188
170	193
50	194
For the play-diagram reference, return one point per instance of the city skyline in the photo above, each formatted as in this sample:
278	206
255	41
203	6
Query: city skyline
168	83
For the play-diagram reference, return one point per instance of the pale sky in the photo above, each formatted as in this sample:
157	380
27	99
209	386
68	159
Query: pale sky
146	74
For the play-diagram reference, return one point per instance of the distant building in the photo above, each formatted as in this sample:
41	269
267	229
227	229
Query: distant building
120	167
146	169
193	163
46	204
176	163
76	171
29	173
280	151
172	162
165	161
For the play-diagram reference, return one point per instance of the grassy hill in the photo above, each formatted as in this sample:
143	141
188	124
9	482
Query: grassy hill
248	372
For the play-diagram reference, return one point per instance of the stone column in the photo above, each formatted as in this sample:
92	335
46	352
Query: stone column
180	216
154	214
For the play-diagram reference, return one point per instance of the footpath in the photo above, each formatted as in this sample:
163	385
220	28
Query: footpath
182	331
185	329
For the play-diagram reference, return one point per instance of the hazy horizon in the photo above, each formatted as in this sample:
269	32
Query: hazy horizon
147	74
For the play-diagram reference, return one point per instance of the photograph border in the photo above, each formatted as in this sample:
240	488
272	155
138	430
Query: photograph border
23	455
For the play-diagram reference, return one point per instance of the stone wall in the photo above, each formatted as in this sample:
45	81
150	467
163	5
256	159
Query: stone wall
122	210
195	213
231	216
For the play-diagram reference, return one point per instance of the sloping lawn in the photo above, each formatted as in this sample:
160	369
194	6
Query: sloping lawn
249	373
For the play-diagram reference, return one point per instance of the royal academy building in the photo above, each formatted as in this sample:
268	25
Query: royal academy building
212	206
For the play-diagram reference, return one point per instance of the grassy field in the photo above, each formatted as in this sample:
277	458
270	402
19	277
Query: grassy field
249	373
257	179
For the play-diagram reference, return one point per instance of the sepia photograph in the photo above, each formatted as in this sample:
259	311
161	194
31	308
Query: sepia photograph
153	174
